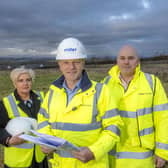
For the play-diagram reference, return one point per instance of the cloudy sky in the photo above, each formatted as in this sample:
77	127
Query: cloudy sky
35	27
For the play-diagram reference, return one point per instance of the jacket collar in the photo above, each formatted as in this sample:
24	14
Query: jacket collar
114	72
85	83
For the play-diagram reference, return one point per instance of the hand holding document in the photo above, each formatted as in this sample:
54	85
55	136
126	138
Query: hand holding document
49	141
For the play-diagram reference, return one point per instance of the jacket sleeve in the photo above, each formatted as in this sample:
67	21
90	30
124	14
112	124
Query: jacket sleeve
160	112
3	121
111	124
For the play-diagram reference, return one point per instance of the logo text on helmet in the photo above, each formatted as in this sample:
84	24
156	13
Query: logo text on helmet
70	49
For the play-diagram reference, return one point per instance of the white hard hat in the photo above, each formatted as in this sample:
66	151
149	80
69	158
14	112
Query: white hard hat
21	125
71	48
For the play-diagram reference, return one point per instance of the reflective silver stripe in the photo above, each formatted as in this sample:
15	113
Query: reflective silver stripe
43	124
13	106
39	94
43	112
25	146
95	100
140	112
114	129
75	127
65	154
50	98
149	79
107	79
110	113
146	131
160	107
161	145
128	114
144	111
134	155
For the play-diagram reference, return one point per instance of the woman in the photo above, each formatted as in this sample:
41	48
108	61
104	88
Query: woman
17	153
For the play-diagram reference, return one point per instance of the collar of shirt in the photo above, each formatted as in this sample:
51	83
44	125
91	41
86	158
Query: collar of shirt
71	92
123	82
30	101
85	83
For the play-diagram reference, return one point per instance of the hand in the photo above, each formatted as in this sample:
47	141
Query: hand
84	155
15	140
159	162
46	150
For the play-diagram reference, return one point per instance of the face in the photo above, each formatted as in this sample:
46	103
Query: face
71	69
23	84
127	60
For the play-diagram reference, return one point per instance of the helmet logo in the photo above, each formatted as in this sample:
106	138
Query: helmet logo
70	49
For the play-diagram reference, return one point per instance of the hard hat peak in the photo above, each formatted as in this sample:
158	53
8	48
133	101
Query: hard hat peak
71	48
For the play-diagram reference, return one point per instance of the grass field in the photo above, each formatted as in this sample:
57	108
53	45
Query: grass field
44	77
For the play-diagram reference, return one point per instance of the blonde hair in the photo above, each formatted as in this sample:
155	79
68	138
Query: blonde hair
15	73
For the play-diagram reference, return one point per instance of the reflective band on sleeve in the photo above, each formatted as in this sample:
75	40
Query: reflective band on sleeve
114	129
110	113
161	145
43	124
76	127
25	146
160	107
64	154
146	131
44	113
13	105
134	155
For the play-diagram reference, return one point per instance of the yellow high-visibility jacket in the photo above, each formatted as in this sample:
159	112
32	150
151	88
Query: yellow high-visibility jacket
21	155
144	110
89	120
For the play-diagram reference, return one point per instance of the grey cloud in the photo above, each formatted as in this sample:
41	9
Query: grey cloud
41	25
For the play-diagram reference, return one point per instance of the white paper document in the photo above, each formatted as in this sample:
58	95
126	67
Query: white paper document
49	141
